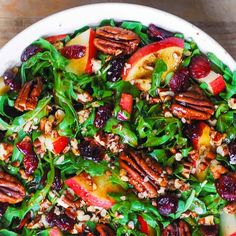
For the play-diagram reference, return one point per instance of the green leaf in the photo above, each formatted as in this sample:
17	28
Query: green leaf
225	121
6	232
4	101
34	201
35	116
160	68
138	28
123	130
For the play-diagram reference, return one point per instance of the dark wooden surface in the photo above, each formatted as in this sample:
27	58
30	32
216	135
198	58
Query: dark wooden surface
216	17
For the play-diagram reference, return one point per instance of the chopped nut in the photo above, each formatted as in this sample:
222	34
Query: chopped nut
207	220
6	151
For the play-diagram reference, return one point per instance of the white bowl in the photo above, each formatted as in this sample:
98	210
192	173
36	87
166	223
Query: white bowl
74	18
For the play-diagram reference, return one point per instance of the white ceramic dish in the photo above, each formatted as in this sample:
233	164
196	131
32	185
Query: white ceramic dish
71	19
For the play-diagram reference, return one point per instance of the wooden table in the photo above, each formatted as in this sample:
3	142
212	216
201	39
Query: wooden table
216	17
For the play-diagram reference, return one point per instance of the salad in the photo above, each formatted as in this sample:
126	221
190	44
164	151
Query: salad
118	129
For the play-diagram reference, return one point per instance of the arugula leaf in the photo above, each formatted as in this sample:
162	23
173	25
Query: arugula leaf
4	100
123	130
160	68
138	28
35	116
6	232
34	201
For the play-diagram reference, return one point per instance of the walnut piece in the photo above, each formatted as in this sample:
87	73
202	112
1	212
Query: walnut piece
11	190
28	96
116	40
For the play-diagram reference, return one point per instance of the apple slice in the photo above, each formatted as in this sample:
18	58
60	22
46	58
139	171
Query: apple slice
140	65
55	145
126	105
55	232
93	190
202	137
145	228
3	87
227	224
55	38
215	82
84	64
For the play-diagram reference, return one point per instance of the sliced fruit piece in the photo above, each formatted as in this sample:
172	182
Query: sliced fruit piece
94	190
126	105
3	87
55	232
145	228
215	82
141	63
84	64
59	144
227	224
55	38
198	134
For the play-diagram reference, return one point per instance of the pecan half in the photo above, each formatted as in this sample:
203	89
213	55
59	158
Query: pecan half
192	105
104	230
179	228
11	190
28	96
116	40
144	173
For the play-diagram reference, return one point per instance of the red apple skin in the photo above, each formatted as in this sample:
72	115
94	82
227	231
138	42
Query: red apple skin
92	52
55	38
145	228
233	234
152	48
143	225
126	102
218	85
83	187
59	144
55	232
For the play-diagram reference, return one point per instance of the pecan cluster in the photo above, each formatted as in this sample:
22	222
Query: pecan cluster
116	40
179	228
144	173
192	105
28	96
11	190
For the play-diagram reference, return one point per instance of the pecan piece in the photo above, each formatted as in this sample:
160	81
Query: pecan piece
116	40
179	228
11	190
28	96
144	173
104	230
192	105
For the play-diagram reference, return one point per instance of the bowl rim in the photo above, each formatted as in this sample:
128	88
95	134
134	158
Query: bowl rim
11	51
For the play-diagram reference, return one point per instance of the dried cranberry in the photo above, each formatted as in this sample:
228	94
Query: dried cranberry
30	51
232	153
180	81
91	150
26	146
167	204
199	67
12	79
209	230
62	221
74	51
3	208
156	33
30	160
30	163
226	186
102	115
57	184
116	67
